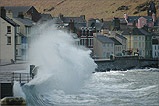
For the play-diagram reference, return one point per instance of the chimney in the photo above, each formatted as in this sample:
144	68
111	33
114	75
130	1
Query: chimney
61	16
20	15
125	16
83	16
154	17
9	13
3	12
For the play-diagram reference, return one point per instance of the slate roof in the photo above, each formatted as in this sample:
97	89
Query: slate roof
99	26
104	39
25	21
122	21
120	36
16	9
45	17
80	25
132	19
11	21
116	42
57	20
107	24
75	19
135	31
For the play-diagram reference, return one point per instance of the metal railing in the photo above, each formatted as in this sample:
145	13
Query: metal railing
21	77
10	77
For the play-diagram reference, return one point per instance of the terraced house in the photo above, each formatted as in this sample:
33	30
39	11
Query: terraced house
9	31
103	47
139	42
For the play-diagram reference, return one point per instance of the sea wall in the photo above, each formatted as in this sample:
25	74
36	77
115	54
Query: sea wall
124	63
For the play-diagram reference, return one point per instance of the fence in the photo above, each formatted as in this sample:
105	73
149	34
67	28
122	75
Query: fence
8	77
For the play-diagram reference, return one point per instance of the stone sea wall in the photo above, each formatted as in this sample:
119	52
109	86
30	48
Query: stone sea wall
124	63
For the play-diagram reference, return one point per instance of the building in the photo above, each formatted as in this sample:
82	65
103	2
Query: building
26	10
85	35
45	17
155	48
120	38
152	9
117	47
9	32
140	21
103	47
139	42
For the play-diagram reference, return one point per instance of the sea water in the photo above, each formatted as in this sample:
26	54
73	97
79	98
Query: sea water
65	76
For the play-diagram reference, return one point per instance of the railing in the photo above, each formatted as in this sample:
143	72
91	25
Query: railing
21	77
8	77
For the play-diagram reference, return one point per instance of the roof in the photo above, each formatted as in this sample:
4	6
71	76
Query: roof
75	19
45	17
155	41
10	21
132	19
57	20
25	21
116	42
120	36
80	25
16	9
122	21
99	26
135	31
144	32
104	39
107	24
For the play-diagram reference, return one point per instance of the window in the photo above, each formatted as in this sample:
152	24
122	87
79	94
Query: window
103	45
9	40
143	21
16	51
18	29
107	45
140	52
135	44
112	45
155	53
135	38
140	38
103	54
155	47
8	29
139	44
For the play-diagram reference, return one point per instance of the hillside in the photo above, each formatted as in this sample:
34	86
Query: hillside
106	9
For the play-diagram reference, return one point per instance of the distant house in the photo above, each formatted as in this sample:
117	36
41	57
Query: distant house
9	31
85	35
140	21
155	48
120	38
25	31
26	10
139	42
97	24
117	47
66	20
103	47
45	17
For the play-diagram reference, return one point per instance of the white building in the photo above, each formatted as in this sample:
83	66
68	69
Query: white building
8	35
155	48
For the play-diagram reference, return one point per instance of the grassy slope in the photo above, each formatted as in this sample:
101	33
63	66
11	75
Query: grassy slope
105	9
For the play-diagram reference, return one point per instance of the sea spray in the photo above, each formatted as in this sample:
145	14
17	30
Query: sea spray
63	65
17	90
